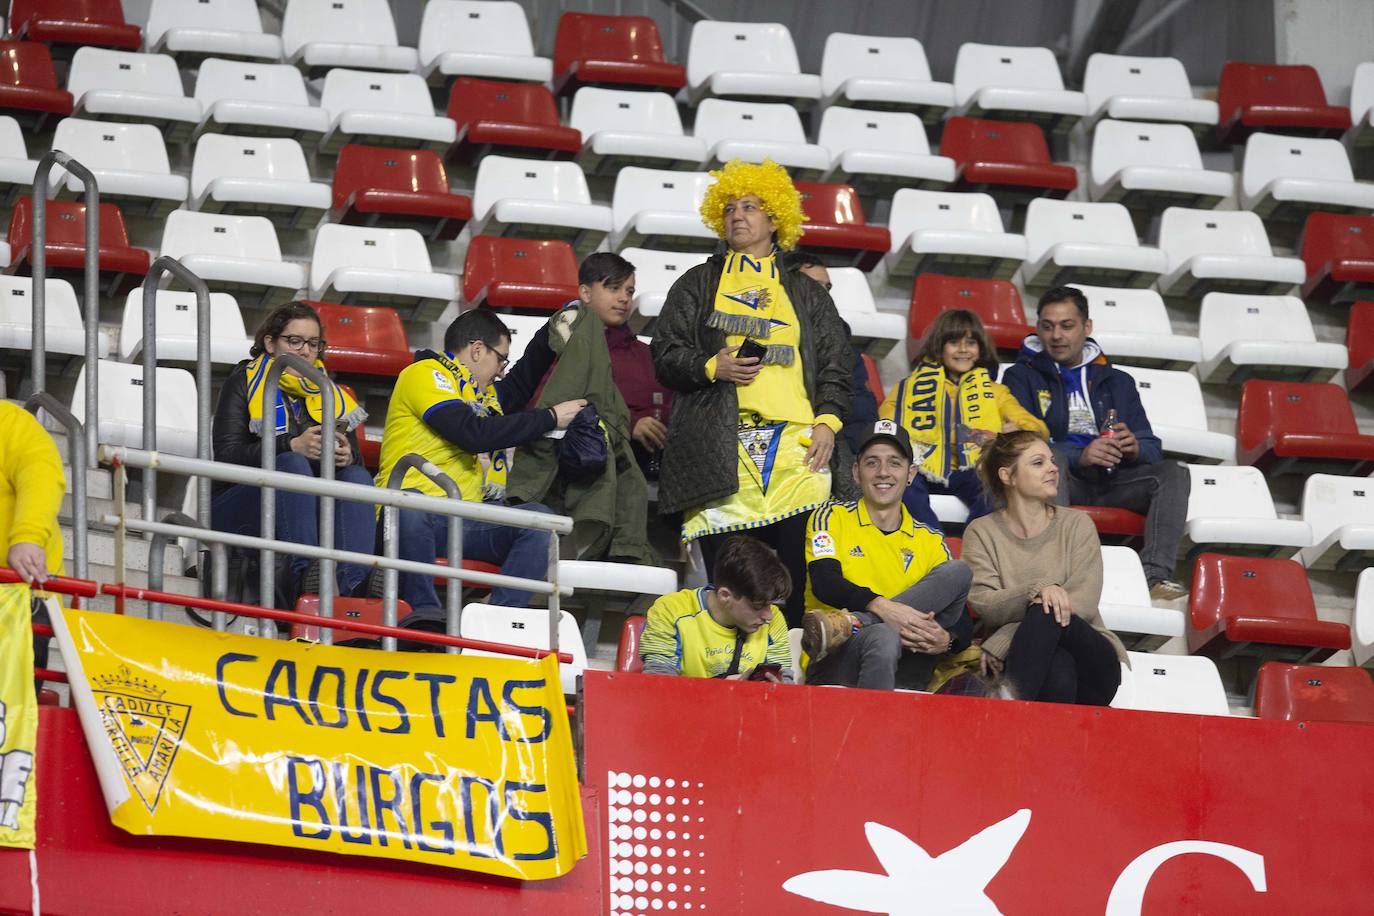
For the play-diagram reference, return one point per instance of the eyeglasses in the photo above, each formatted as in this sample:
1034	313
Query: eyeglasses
503	357
296	342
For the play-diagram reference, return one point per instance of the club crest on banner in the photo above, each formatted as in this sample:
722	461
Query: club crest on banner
145	729
761	445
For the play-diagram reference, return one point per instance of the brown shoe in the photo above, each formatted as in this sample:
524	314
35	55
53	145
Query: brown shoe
825	631
1167	590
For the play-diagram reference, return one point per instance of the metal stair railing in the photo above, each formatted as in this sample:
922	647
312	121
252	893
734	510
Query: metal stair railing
391	546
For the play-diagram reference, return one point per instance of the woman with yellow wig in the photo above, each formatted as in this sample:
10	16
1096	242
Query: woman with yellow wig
761	365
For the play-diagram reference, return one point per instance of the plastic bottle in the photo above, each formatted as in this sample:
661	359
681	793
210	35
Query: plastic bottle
655	456
1109	432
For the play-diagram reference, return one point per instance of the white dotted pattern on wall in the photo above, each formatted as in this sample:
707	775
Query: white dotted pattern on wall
654	850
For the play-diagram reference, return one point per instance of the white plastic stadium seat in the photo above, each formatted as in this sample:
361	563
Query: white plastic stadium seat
621	128
129	162
1341	513
1362	627
1230	511
1068	241
1263	337
747	60
176	328
481	38
755	131
1222	251
522	330
358	264
960	234
537	199
655	273
129	86
1285	178
617	577
872	331
527	627
1132	325
208	28
382	109
868	71
16	168
1144	89
120	386
652	208
1153	166
317	34
266	176
63	325
1172	683
239	254
874	150
267	100
1023	84
1173	402
1125	605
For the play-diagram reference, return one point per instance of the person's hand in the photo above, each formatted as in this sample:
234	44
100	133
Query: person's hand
989	665
1009	426
565	412
309	443
1057	602
650	433
730	368
822	446
1126	441
30	561
1101	452
980	437
343	452
918	630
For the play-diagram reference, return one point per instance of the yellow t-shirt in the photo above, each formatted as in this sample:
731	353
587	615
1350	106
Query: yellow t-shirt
885	564
681	633
779	392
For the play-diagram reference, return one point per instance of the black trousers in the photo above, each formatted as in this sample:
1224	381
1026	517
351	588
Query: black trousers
1054	664
788	538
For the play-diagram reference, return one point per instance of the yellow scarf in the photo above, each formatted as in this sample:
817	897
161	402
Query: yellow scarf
347	414
749	293
922	407
486	401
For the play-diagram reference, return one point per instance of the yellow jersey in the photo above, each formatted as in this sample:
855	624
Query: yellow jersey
886	564
681	634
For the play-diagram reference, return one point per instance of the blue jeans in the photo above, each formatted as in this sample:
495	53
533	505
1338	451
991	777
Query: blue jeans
238	511
522	552
963	484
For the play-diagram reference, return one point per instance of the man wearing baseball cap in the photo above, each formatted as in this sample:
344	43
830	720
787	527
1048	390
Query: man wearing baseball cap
884	597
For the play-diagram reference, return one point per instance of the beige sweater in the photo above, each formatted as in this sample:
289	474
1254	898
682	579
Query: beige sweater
1008	571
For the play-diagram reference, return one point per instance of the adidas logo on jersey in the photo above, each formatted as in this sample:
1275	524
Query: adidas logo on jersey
856	551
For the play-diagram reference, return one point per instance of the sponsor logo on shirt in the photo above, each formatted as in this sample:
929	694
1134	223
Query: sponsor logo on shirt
856	551
822	544
442	381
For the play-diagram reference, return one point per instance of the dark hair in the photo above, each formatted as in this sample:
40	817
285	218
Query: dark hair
475	324
751	569
956	324
796	260
1003	452
604	267
1063	294
273	325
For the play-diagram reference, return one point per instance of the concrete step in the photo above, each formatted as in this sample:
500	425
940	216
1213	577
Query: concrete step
101	546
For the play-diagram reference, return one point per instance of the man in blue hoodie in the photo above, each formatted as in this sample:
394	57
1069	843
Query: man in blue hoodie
1063	377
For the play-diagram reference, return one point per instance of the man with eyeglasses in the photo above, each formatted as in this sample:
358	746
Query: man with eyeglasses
451	408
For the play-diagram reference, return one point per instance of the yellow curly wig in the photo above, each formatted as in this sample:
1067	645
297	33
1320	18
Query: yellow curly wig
771	183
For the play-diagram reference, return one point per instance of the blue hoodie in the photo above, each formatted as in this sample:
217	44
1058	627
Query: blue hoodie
1046	389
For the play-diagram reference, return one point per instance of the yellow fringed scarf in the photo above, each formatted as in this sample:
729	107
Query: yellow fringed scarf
750	290
347	413
922	405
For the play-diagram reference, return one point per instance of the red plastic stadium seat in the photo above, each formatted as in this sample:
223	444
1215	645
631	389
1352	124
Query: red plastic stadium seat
1004	155
519	274
955	545
996	302
1277	99
875	382
612	51
1314	693
49	697
474	565
370	449
520	119
627	653
1257	607
361	610
1360	341
397	189
1283	424
1339	253
66	245
835	225
364	340
1116	526
74	22
28	84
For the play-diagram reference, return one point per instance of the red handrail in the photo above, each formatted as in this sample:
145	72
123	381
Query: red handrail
65	585
48	674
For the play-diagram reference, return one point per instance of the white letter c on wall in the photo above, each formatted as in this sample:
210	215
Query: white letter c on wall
1128	894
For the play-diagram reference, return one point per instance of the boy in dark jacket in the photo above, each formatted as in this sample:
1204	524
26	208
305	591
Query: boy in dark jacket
1063	377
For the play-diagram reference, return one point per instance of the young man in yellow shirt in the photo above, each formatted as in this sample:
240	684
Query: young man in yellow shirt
885	599
726	630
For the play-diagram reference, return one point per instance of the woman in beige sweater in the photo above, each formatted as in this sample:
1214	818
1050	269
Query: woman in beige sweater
1037	580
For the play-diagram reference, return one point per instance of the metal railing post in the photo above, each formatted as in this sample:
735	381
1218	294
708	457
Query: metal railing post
271	388
391	547
555	606
219	558
76	457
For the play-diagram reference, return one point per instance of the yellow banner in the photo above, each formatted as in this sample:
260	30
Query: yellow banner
452	760
18	717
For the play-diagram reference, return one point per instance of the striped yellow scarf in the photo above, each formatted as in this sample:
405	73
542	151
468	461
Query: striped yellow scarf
749	291
936	434
347	413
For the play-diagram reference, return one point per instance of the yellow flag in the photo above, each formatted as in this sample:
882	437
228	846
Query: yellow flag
18	718
450	760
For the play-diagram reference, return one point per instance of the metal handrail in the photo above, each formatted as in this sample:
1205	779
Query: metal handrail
76	458
390	547
157	561
91	305
268	515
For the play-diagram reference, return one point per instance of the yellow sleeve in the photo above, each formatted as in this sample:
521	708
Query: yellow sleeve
659	645
1010	409
34	467
711	368
820	543
779	645
830	422
887	410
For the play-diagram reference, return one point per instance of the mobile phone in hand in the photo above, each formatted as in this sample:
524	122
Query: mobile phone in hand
751	349
761	672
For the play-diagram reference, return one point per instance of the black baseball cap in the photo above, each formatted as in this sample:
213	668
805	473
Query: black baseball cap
888	431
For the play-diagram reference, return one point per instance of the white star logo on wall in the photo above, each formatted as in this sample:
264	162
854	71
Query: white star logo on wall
951	884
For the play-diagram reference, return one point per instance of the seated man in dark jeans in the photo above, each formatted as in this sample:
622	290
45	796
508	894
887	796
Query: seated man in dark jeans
1063	377
892	599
